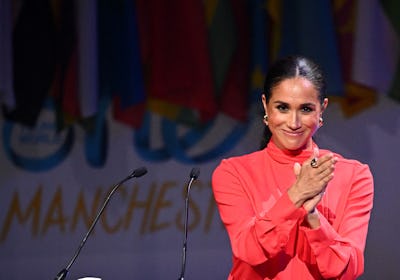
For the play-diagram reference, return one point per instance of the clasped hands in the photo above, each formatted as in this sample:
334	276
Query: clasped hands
311	180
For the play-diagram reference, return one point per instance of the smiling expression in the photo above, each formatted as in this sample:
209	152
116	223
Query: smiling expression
294	110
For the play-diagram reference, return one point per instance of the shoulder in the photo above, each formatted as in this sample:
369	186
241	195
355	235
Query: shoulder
242	160
347	162
238	165
351	168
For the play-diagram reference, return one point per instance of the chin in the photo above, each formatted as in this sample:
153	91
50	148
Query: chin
292	145
293	148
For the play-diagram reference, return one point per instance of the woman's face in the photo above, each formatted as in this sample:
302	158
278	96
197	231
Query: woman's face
294	110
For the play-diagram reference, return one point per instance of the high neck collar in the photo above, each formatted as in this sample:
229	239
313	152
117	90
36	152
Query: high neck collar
283	157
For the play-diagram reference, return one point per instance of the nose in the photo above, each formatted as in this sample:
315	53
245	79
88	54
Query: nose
294	121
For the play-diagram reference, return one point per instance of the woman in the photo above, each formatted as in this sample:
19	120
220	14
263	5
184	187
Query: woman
293	211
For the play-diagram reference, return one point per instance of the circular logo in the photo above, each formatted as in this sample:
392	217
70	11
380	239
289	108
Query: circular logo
40	148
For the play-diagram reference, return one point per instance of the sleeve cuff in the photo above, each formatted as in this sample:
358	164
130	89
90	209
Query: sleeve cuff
321	237
282	211
277	221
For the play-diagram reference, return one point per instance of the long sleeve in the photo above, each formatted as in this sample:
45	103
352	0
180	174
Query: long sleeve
339	248
255	235
270	237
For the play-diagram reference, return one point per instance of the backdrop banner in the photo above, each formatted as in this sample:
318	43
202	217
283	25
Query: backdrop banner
52	184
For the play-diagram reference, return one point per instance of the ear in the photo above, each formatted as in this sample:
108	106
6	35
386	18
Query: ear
324	105
264	102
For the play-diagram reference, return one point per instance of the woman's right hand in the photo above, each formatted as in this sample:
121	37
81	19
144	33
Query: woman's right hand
311	181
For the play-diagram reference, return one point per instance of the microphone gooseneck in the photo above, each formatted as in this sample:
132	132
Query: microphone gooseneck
135	174
194	174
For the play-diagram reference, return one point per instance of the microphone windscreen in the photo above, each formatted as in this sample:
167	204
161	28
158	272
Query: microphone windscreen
195	173
139	172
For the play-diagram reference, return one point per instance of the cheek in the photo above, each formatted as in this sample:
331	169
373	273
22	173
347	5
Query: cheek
276	119
311	122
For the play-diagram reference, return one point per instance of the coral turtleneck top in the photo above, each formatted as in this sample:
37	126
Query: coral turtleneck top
268	234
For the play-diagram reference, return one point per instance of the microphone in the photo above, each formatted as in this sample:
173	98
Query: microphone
193	176
135	173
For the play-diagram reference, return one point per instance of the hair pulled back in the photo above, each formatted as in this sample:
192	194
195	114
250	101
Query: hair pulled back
291	67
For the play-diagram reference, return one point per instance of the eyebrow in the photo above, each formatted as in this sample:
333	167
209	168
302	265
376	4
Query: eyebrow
285	103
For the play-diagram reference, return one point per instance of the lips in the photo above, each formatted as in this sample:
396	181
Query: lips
293	133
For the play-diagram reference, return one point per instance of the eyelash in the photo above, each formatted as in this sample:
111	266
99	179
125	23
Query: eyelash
284	108
307	109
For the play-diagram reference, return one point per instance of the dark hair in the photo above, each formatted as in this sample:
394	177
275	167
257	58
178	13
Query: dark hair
290	67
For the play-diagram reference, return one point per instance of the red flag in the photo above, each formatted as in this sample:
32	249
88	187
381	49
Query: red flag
180	69
131	115
236	92
70	98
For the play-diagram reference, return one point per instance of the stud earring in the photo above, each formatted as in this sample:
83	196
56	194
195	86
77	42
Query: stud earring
265	119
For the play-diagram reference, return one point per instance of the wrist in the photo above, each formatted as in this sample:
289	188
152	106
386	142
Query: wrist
313	218
295	197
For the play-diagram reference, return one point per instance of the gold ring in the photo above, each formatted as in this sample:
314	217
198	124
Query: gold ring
314	163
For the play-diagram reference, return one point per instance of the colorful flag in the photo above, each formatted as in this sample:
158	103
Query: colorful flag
120	60
374	62
357	96
308	29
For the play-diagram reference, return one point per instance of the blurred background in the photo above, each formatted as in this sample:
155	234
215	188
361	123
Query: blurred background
91	90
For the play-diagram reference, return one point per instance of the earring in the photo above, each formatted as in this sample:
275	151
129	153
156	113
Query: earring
321	121
265	119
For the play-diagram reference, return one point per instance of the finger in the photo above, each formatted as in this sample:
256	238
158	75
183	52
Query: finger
314	158
312	202
296	169
316	152
325	177
327	158
327	164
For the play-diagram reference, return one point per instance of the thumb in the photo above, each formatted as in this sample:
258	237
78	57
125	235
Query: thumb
296	169
316	152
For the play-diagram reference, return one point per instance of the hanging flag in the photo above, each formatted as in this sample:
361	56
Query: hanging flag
392	12
308	29
273	27
222	39
33	60
120	61
344	14
261	43
88	82
65	85
350	25
6	68
375	57
179	62
235	97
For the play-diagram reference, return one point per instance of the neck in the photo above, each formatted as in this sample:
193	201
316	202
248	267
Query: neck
307	147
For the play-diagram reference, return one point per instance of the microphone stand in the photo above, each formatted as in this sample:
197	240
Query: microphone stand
136	173
193	176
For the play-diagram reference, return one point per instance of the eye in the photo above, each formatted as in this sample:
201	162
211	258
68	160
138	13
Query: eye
307	109
282	107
